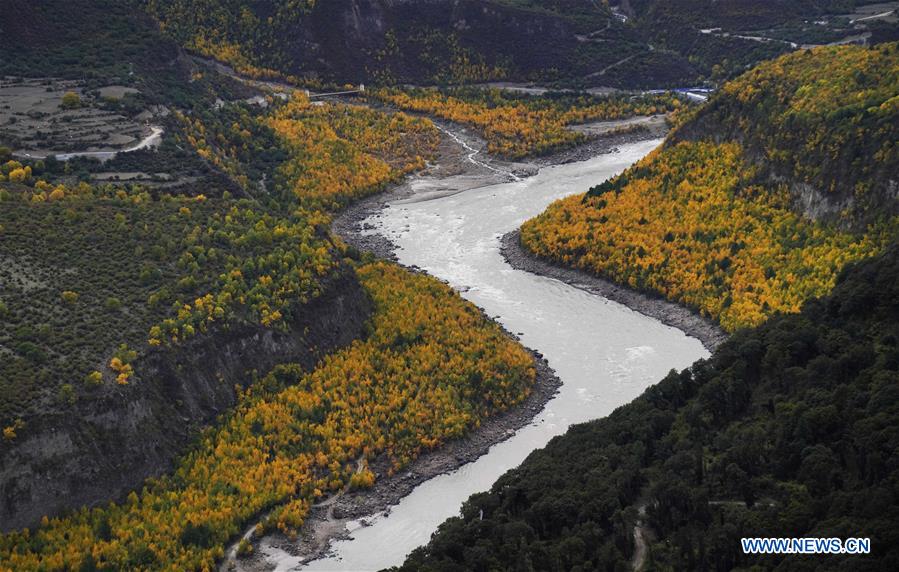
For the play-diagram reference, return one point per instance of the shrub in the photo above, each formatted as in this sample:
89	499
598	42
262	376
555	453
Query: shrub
70	100
69	297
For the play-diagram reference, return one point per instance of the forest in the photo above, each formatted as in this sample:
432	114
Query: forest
788	430
824	117
345	152
78	39
687	223
177	265
518	126
567	43
98	276
431	367
93	267
699	221
443	43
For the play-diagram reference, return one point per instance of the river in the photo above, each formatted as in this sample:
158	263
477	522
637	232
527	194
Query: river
604	353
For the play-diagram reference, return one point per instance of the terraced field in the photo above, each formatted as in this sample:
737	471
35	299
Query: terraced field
37	123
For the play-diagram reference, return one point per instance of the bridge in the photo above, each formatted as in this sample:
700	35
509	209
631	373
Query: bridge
361	89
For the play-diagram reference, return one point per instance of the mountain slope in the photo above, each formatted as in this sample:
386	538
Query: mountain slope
438	41
757	199
824	121
642	43
724	38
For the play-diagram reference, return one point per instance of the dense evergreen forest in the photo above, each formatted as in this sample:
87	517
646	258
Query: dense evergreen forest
789	429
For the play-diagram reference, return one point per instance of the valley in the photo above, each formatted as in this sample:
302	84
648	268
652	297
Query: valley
475	285
534	308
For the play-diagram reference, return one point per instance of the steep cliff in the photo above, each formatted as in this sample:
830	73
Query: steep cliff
109	445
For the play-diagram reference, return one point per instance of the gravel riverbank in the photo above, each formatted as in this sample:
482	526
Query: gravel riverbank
669	313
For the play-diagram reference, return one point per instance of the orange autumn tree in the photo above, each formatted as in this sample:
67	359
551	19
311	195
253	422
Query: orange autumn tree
687	223
340	152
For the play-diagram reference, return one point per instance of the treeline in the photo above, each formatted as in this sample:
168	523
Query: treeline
788	430
702	222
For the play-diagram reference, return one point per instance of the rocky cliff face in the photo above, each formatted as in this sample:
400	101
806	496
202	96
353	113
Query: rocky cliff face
840	206
109	445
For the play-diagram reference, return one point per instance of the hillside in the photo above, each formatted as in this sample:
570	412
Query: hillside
786	431
80	39
431	368
824	121
722	39
757	199
131	311
579	43
141	296
438	41
192	358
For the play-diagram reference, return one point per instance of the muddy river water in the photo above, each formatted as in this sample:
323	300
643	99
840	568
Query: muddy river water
604	353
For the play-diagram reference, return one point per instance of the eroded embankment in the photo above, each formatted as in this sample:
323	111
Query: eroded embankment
108	445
